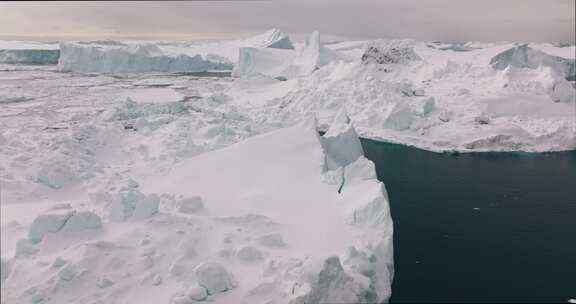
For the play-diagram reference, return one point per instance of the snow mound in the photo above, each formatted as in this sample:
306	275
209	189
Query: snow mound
153	95
214	277
190	205
524	56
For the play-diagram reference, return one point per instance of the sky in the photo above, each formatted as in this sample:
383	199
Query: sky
429	20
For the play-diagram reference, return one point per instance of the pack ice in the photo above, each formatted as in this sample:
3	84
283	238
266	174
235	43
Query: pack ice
284	217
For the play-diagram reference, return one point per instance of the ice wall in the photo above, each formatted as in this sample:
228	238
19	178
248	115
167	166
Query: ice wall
22	52
130	57
138	58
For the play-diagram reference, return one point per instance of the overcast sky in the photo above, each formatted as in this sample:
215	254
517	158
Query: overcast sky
445	20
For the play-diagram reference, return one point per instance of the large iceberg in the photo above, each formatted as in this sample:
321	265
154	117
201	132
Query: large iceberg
279	182
131	58
285	63
277	226
27	52
137	57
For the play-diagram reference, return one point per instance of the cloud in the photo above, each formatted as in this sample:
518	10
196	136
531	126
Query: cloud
447	20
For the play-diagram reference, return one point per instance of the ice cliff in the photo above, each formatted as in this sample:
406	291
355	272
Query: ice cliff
19	52
136	57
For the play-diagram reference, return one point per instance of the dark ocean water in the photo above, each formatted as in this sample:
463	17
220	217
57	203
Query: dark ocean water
480	227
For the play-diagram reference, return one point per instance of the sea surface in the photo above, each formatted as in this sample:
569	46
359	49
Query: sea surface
480	227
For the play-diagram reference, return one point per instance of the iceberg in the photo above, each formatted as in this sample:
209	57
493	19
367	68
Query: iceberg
283	194
28	52
272	38
286	64
136	57
133	58
234	225
524	56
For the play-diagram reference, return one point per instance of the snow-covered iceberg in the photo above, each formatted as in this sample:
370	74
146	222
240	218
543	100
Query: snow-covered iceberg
134	58
286	64
276	225
27	52
524	56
